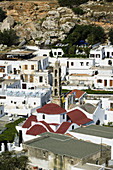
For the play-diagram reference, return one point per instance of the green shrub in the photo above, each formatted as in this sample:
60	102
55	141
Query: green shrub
78	11
8	37
2	15
9	133
71	3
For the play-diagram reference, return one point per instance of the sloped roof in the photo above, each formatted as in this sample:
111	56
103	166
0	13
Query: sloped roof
88	108
36	130
47	126
63	127
79	93
27	123
78	117
51	108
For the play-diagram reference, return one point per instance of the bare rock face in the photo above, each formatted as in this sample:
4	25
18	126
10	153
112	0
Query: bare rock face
39	21
7	23
56	25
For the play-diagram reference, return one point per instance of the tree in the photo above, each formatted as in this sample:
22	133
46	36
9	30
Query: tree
8	37
110	34
11	161
71	3
2	15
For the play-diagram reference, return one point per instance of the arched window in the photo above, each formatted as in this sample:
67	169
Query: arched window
43	117
109	62
55	91
55	73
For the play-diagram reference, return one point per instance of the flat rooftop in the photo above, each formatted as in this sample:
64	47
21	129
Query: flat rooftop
102	67
80	75
96	130
19	52
8	81
37	58
64	145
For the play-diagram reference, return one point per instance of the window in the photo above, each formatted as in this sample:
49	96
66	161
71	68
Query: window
55	73
1	112
99	81
81	63
73	127
112	53
87	63
32	67
109	62
43	116
59	53
14	102
72	63
63	116
55	82
111	106
105	117
97	55
24	102
55	53
34	103
40	79
11	101
0	86
31	78
26	67
26	78
92	55
55	91
2	97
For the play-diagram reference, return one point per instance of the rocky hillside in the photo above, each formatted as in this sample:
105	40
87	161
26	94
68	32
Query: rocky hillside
41	21
44	21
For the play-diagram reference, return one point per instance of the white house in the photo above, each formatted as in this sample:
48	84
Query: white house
23	102
79	65
107	105
5	69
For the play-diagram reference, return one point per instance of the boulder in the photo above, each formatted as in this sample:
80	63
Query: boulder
7	23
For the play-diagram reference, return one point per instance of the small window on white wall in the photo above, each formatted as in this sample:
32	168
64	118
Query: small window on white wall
43	116
63	116
73	127
105	117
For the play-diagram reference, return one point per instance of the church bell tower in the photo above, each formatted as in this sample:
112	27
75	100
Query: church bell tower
57	89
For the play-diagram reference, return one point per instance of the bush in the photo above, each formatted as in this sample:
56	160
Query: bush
8	37
71	3
9	133
78	11
110	34
2	15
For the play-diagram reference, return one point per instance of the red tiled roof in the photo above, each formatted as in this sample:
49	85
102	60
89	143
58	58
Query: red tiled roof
79	93
51	108
54	124
78	117
63	127
36	130
27	123
48	126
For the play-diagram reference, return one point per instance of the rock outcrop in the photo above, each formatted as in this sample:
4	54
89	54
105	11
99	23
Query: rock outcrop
39	21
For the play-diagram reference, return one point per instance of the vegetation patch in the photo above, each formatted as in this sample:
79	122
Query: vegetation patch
10	132
89	91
